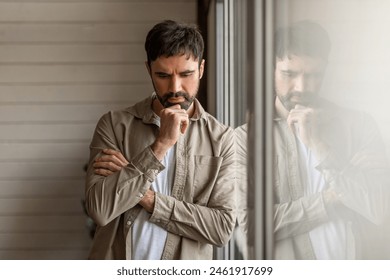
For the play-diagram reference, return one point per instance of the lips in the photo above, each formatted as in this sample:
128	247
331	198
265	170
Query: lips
178	99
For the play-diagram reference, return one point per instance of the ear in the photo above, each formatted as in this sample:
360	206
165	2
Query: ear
201	69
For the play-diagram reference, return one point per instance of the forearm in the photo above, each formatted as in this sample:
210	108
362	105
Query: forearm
363	193
299	216
203	210
201	223
109	197
356	168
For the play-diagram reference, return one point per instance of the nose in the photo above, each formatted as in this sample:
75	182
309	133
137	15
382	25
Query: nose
300	83
175	84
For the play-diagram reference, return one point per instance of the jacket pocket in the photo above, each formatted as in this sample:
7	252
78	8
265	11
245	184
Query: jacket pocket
206	169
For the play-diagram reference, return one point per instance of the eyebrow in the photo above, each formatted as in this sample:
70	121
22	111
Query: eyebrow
289	70
180	73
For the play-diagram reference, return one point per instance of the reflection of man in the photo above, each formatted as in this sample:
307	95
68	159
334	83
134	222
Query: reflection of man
160	178
329	161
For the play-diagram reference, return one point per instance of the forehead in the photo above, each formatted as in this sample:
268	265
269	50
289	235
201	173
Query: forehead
179	62
300	63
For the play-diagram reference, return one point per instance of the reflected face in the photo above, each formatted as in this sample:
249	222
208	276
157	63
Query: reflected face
176	79
298	80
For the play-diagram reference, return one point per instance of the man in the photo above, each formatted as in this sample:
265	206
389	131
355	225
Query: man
160	178
330	168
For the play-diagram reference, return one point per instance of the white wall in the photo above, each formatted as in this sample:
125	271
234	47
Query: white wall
63	63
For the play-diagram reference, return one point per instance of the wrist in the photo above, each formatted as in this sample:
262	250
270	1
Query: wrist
159	149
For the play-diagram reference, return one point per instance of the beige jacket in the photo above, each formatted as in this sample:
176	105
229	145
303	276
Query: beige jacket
200	212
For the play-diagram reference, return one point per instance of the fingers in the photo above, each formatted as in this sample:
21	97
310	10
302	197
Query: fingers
107	165
103	172
117	156
113	156
174	120
301	115
175	113
111	161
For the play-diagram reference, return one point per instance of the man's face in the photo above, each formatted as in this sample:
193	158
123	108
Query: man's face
298	80
176	79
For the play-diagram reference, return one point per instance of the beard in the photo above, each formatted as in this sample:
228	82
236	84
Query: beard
307	99
164	100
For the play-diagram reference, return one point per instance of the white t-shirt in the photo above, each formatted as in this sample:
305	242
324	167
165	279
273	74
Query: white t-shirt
329	240
148	239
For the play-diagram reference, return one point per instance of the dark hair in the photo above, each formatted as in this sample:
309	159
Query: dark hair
302	38
170	38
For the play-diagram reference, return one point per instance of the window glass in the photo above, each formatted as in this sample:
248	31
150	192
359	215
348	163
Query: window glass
331	129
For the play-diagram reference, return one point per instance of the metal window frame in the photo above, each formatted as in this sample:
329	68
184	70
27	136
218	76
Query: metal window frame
260	132
241	66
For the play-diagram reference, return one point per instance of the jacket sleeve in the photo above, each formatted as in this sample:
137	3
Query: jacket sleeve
212	223
108	197
299	216
361	181
241	177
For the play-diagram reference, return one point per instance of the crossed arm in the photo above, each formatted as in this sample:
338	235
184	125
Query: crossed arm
113	161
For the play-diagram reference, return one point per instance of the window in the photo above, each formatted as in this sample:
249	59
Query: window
307	200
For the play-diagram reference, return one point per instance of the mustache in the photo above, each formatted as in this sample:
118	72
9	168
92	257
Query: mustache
305	97
176	94
184	105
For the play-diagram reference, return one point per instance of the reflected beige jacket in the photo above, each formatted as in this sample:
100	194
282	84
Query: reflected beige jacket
356	168
200	212
353	139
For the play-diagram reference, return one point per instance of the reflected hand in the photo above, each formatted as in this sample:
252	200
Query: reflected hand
303	121
110	162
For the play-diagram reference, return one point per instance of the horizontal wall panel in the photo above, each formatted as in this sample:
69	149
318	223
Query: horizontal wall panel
44	240
29	224
59	132
79	254
81	53
37	254
98	1
44	206
73	73
91	94
77	32
44	151
41	170
43	188
63	64
55	113
84	11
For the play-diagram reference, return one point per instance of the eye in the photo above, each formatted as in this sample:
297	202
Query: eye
288	74
162	75
186	74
